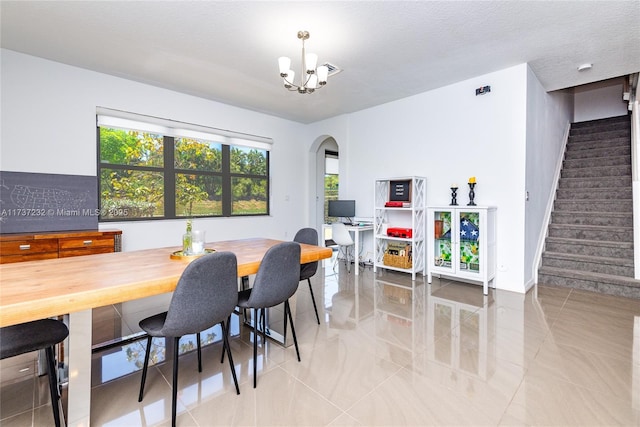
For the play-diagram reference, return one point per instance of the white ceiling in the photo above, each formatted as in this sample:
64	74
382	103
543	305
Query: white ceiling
227	50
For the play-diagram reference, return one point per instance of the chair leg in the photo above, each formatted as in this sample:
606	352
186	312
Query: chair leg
313	299
199	352
226	346
174	396
225	341
255	346
264	327
287	309
144	368
53	385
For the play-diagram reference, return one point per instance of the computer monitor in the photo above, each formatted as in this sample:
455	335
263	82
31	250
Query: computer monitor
342	209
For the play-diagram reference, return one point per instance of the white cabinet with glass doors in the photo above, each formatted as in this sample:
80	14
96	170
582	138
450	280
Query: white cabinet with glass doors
462	243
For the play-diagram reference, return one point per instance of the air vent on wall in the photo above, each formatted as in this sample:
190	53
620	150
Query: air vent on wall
333	69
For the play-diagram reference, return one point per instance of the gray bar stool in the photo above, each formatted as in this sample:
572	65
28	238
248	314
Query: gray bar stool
32	336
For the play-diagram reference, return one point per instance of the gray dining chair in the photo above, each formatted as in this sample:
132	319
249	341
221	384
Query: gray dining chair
33	336
308	270
206	295
276	281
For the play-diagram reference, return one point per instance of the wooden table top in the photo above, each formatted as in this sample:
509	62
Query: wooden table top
39	289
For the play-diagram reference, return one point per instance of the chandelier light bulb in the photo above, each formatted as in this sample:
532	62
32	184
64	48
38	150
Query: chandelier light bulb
285	64
313	82
311	61
290	78
323	73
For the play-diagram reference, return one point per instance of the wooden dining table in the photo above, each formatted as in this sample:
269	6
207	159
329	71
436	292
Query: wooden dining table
40	289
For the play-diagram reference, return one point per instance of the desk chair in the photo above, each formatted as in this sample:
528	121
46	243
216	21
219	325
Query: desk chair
342	237
276	281
206	294
307	271
38	335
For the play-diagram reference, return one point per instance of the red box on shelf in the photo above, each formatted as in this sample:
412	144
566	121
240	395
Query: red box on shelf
393	205
400	232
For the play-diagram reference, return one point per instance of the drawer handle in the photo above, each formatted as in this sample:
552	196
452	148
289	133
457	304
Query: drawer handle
87	242
25	247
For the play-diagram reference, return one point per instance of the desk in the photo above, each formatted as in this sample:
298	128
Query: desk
39	289
356	230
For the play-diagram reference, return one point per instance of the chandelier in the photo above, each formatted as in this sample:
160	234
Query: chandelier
311	78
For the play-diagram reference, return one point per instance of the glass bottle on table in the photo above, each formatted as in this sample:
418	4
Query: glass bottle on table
187	240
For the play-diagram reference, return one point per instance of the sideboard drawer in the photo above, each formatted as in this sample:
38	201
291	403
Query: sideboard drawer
28	247
86	245
28	250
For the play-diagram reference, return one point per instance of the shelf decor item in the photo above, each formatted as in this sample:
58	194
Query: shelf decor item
472	194
398	255
454	195
400	191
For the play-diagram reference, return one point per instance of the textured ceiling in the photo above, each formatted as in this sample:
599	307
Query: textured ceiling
227	50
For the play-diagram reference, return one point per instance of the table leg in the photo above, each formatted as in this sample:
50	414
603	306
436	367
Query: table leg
274	325
79	389
356	251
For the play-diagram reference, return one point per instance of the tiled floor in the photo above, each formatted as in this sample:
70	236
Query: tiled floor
391	354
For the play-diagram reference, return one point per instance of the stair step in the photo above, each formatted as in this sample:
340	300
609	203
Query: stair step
594	282
594	205
599	152
596	171
601	123
618	193
598	143
614	219
596	182
601	134
594	264
591	232
589	247
596	162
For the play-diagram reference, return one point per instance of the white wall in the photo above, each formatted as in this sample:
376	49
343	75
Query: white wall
548	118
599	100
446	135
48	125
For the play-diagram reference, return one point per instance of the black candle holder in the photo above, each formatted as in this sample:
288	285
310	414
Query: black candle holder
472	194
454	201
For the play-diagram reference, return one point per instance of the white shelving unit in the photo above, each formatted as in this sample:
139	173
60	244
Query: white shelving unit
412	215
462	243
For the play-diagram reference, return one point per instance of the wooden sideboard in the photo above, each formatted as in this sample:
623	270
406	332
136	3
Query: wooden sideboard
59	244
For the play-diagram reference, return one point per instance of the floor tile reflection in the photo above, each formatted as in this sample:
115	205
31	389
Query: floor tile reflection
388	352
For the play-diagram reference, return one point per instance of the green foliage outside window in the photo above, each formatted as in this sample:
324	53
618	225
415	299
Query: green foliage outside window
330	193
137	173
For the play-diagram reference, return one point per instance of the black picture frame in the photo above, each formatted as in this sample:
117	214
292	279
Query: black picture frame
400	191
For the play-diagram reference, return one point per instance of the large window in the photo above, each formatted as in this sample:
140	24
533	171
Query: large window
148	171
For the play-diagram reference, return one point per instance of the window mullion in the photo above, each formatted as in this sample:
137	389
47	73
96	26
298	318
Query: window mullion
169	178
226	180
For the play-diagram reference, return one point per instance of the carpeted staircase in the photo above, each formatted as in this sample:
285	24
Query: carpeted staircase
590	240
